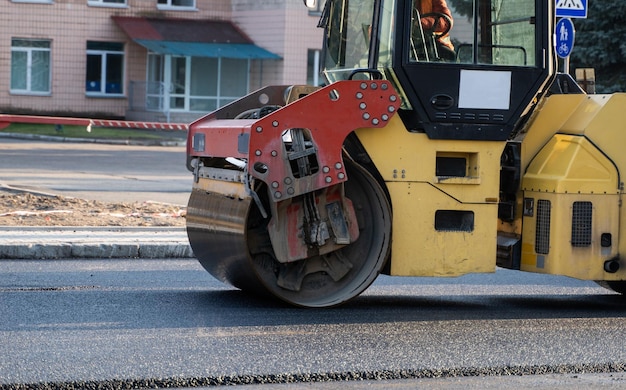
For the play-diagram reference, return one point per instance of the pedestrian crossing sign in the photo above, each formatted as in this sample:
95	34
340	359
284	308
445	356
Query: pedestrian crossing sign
571	8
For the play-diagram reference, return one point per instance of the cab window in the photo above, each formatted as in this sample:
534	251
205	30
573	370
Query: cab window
349	28
473	32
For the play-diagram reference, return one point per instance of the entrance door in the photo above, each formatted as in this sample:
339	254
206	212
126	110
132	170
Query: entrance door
179	74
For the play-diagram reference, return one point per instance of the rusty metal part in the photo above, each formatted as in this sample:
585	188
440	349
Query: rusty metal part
230	238
335	224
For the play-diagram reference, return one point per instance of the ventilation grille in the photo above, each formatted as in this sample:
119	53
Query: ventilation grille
469	116
542	231
581	224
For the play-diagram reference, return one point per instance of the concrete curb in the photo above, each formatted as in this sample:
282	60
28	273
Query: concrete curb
44	251
37	243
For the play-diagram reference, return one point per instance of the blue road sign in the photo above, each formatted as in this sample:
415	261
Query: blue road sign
564	37
571	8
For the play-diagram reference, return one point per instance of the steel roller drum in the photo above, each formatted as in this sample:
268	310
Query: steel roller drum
230	238
216	227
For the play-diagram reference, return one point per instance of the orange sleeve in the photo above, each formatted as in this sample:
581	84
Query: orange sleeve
438	6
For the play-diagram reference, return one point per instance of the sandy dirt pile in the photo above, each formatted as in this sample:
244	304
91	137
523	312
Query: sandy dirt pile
24	209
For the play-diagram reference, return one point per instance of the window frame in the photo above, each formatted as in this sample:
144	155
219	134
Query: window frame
317	10
103	70
314	67
173	7
29	71
33	1
107	3
188	97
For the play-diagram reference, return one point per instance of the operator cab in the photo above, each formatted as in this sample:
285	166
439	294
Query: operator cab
468	73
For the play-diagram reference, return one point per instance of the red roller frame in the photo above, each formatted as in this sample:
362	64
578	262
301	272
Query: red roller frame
330	114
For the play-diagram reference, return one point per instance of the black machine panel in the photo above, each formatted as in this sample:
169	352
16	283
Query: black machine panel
481	88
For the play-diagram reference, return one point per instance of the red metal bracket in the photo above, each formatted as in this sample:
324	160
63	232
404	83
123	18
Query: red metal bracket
329	114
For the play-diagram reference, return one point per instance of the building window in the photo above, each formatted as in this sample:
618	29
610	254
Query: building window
30	66
105	68
178	4
315	7
196	84
107	3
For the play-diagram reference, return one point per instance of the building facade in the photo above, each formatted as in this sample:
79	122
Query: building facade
153	60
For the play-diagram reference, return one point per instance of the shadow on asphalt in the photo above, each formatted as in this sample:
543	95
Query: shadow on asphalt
116	309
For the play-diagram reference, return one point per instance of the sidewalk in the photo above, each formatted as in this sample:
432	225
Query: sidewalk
93	242
27	242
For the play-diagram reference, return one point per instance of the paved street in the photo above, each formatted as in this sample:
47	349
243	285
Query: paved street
103	172
169	322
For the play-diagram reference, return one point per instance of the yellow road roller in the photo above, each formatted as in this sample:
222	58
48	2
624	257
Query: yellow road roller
443	142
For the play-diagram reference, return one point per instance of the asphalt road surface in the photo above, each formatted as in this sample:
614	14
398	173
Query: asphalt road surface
146	323
111	173
168	323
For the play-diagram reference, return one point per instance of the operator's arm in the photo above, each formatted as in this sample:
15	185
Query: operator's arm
438	6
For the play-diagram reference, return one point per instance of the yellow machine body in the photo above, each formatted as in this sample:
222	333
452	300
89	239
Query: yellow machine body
572	190
444	220
569	205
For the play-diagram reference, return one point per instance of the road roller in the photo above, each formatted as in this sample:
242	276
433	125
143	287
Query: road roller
443	142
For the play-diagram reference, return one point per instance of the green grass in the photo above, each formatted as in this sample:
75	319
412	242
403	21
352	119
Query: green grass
81	132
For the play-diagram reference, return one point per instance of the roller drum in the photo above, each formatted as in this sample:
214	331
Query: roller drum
216	227
230	238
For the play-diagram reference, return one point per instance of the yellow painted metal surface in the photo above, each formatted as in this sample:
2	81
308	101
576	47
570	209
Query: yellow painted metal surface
418	249
601	118
571	164
229	189
573	154
402	156
548	119
408	163
562	258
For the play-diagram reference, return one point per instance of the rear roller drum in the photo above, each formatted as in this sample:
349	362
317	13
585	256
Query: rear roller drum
336	277
230	238
216	227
